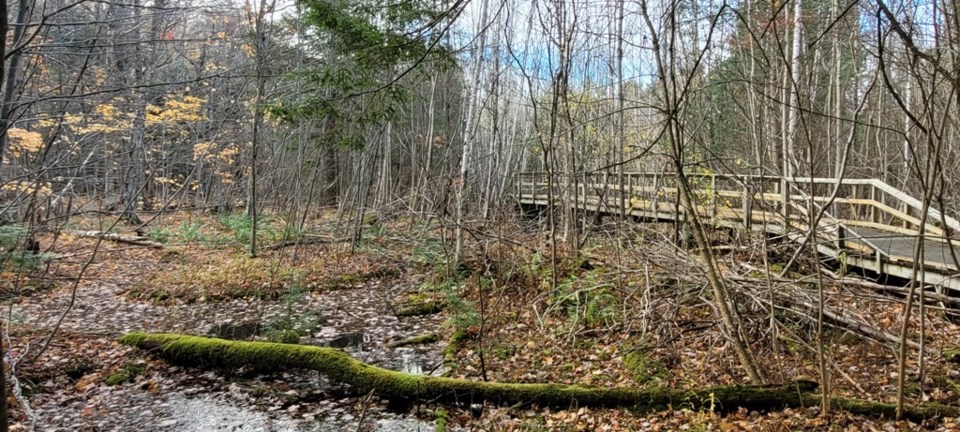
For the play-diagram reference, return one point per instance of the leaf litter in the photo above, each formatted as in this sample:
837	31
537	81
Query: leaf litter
67	385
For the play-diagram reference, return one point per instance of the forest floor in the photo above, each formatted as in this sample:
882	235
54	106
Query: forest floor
628	310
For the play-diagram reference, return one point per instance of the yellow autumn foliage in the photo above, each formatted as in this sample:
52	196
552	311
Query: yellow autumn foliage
26	187
24	141
106	120
208	152
185	109
166	180
107	111
222	159
248	50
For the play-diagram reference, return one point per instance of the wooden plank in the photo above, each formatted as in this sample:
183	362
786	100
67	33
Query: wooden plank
875	246
915	203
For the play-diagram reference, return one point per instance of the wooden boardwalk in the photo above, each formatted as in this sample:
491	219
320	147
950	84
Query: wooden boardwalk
863	223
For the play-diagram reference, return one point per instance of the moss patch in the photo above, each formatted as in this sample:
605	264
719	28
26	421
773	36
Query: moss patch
644	369
285	336
951	354
129	373
415	340
419	309
441	420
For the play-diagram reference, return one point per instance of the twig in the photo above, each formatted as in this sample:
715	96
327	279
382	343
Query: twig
363	413
119	238
306	241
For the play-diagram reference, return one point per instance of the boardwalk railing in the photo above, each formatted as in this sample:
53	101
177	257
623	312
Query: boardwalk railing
865	222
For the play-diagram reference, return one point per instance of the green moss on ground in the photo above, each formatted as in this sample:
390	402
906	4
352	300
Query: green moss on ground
441	420
129	373
644	369
951	354
284	336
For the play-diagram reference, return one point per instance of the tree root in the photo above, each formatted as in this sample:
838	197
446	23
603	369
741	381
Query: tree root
339	366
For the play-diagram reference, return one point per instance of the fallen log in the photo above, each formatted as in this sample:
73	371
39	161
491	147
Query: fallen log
419	309
303	241
423	339
339	366
119	238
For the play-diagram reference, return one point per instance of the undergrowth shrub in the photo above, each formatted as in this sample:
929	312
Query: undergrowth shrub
240	227
463	315
290	325
12	256
191	232
161	234
587	299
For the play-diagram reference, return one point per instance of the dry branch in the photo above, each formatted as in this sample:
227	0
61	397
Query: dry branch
306	241
119	238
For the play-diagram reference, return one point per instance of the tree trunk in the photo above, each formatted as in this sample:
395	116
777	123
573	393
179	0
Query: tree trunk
469	135
11	73
4	415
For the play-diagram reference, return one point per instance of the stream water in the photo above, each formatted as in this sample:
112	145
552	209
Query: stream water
349	320
359	321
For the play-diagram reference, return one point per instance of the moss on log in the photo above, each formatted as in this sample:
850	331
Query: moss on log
418	309
915	413
339	366
415	340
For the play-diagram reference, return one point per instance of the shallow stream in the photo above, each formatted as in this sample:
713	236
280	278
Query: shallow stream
359	321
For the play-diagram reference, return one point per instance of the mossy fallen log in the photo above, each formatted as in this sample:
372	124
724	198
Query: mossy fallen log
423	339
419	309
915	413
339	366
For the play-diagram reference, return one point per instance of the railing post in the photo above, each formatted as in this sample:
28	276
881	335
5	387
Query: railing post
533	187
713	189
906	211
583	186
519	184
873	207
748	205
841	235
606	191
520	177
531	180
856	207
785	200
655	197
